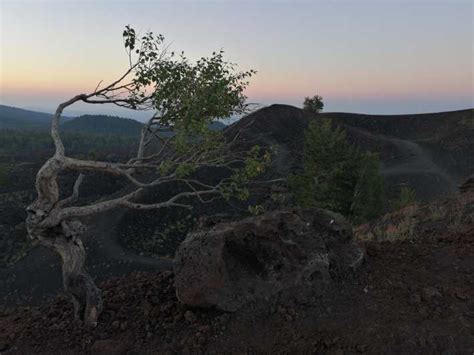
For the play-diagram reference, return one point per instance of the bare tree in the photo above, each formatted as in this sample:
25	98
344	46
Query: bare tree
184	97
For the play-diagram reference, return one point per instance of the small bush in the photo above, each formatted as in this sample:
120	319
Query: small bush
407	197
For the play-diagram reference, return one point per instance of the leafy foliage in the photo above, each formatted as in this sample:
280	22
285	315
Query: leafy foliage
336	175
189	98
254	164
313	104
187	95
256	209
369	191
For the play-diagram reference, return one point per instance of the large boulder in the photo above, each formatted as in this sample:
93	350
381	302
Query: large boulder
228	264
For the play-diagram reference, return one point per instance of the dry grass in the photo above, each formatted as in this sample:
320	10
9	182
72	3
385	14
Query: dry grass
395	226
414	221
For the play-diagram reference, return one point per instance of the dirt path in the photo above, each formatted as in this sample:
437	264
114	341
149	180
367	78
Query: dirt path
414	160
413	166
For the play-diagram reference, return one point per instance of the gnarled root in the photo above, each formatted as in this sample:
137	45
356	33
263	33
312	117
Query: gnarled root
85	295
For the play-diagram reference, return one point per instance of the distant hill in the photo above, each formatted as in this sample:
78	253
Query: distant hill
112	125
18	118
448	137
422	126
430	152
101	124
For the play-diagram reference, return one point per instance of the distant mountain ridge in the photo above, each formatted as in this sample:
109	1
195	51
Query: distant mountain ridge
102	124
17	118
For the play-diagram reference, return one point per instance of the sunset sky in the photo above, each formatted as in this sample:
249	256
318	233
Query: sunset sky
377	56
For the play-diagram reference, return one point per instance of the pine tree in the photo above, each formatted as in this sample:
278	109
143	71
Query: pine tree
336	175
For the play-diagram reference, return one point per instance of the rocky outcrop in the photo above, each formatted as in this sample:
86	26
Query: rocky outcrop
232	263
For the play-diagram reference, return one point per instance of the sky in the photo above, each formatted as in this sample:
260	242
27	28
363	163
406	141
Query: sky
366	56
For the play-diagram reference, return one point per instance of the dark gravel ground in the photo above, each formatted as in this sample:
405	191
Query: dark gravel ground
410	296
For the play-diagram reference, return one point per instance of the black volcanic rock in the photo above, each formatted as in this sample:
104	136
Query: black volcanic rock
231	264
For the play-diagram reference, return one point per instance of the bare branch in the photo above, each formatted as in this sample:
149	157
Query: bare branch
126	201
75	192
112	85
97	87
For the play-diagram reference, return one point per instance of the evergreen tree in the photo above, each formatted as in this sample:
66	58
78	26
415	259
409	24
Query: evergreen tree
368	195
336	175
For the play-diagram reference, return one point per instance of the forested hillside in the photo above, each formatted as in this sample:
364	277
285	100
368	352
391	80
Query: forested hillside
17	118
100	124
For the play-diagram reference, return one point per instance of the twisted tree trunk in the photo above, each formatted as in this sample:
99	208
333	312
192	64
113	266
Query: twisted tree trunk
78	284
64	239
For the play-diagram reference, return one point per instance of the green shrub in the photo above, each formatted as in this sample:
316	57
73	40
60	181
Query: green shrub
367	202
407	197
336	175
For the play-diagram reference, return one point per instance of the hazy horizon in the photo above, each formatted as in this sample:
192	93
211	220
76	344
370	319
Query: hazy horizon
374	57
